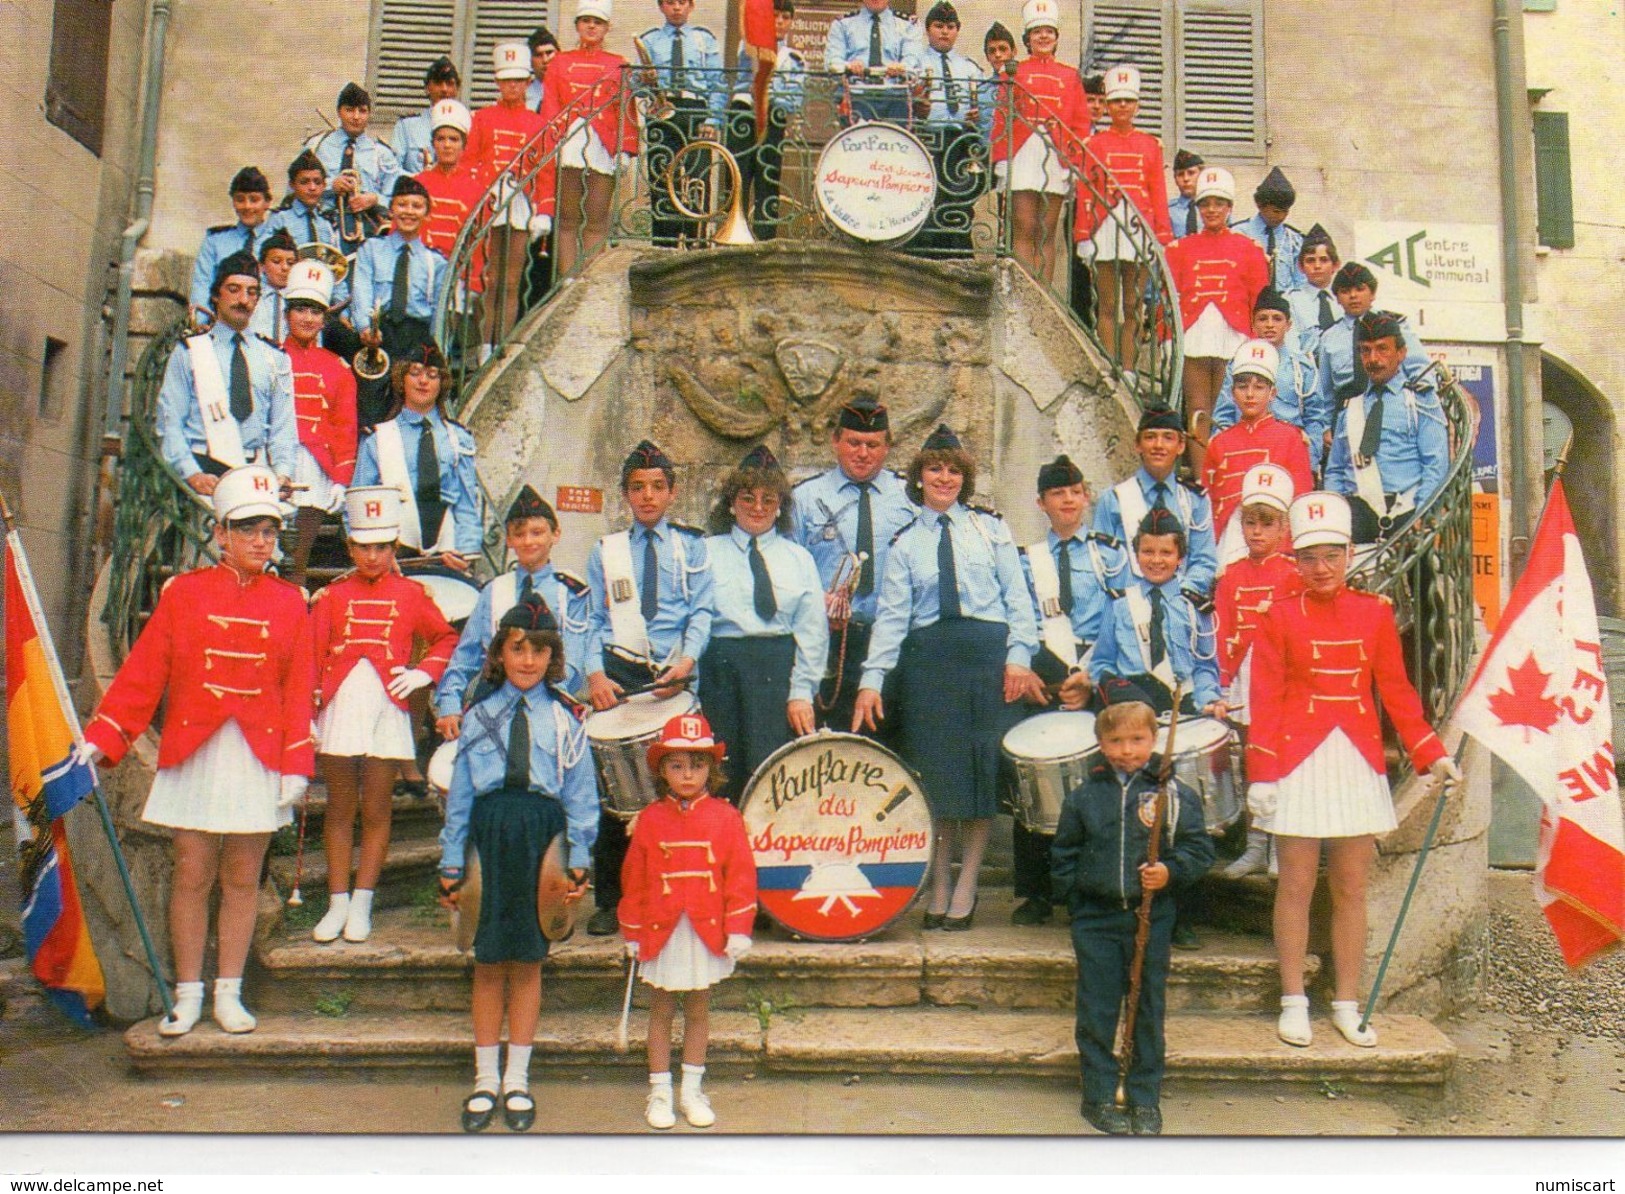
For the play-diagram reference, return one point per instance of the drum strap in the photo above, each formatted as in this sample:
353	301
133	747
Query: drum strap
625	611
220	430
391	451
1232	546
1056	627
1131	504
1367	476
1139	609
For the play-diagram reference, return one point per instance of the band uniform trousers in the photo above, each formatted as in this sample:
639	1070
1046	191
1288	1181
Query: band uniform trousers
665	139
833	706
747	686
1103	939
760	166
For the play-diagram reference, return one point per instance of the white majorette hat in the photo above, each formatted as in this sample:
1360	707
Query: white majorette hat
1319	517
372	514
1215	181
1267	485
593	8
1122	82
250	491
310	280
1256	356
1035	13
511	59
450	113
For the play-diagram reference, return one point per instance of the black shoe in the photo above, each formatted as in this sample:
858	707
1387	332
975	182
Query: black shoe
1146	1121
1107	1117
604	923
1031	912
1185	937
416	788
933	920
477	1120
519	1110
960	924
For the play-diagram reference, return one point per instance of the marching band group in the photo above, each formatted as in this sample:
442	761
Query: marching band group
858	600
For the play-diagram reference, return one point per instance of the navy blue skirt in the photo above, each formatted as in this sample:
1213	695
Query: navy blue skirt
511	828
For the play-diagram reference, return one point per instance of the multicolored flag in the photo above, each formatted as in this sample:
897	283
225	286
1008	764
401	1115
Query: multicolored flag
46	781
1540	702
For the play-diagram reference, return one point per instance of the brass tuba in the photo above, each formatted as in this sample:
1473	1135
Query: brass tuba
733	229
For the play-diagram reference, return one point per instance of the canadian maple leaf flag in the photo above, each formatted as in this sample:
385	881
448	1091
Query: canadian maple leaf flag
1540	701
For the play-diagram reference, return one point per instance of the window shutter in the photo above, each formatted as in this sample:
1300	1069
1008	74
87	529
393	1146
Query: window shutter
1221	83
494	21
76	89
1554	186
410	35
1132	33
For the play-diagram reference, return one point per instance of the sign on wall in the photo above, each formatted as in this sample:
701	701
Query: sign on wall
1422	260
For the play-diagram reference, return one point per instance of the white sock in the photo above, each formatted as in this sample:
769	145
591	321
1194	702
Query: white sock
189	991
661	1079
692	1074
361	898
487	1074
517	1075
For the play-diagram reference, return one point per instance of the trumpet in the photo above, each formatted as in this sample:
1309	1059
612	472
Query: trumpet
661	107
354	226
838	597
370	364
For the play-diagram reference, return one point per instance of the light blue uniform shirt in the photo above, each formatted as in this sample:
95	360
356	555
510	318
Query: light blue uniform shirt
375	162
218	244
270	427
412	143
783	85
967	79
569	607
796	590
1091	584
1338	350
826	524
1305	303
482	766
1186	631
990	583
533	94
681	626
459	484
1415	448
1284	271
901	40
701	77
1299	400
1201	566
1178	208
374	278
270	318
299	221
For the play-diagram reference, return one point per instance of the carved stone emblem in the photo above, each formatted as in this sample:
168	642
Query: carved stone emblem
808	366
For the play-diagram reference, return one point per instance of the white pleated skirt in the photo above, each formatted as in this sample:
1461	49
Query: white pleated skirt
584	149
1212	336
684	963
1332	793
1038	166
362	720
221	788
1122	235
319	493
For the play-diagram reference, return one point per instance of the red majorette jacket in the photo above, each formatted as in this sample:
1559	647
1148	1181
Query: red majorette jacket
1223	268
695	860
324	407
219	646
1048	93
1241	446
1315	661
1246	589
1123	165
355	619
577	82
453	199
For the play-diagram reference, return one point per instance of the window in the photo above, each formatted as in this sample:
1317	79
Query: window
410	34
1201	68
76	88
52	378
1554	188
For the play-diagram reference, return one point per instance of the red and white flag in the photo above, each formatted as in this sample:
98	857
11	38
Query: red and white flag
1540	702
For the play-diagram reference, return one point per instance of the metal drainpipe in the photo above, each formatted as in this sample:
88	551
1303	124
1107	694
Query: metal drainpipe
1509	128
141	219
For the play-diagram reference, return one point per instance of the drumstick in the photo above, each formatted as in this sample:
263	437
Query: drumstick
626	1005
902	793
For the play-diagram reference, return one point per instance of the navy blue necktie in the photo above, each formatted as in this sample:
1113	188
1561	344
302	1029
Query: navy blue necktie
947	575
651	578
866	539
1066	576
242	391
517	772
1326	318
1159	642
761	583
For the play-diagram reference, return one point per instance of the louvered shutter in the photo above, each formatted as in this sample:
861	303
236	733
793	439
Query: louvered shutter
1221	87
494	21
1132	33
408	36
1554	184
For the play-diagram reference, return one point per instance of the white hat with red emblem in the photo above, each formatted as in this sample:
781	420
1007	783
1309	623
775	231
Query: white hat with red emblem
1267	485
593	8
1256	356
511	59
1320	517
453	114
1036	13
310	280
1122	82
372	514
1215	182
251	491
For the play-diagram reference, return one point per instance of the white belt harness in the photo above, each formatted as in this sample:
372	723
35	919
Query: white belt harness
220	429
1139	608
1367	476
1056	626
625	607
392	469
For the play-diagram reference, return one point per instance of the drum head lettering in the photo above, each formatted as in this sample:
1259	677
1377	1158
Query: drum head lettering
841	834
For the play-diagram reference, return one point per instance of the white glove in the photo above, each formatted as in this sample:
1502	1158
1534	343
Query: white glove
335	498
540	226
292	791
1261	801
738	946
632	949
88	753
407	681
1445	771
1001	171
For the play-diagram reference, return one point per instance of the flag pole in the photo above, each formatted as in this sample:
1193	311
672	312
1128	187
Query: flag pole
30	595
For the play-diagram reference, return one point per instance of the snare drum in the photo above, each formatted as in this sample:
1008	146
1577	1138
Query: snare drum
438	772
620	739
454	593
1204	762
1051	754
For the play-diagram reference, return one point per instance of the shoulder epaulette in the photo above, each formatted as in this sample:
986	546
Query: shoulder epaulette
804	480
577	708
269	341
1195	486
704	30
902	530
1201	602
984	508
687	529
572	582
221	227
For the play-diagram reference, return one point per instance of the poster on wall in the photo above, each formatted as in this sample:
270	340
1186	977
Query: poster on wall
1476	375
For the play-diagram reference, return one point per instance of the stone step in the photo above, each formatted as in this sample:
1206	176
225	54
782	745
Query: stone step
1211	1046
411	964
410	817
409	870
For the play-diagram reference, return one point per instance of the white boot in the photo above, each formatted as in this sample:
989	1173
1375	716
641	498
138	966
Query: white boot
691	1100
658	1110
1346	1019
229	1011
358	924
1293	1025
188	1010
328	927
1253	859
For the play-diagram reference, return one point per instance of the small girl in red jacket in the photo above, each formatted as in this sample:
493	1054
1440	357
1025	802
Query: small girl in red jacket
687	906
364	628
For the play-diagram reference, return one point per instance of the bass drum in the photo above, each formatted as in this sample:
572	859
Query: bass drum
454	593
841	834
438	772
1208	760
620	738
1051	754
